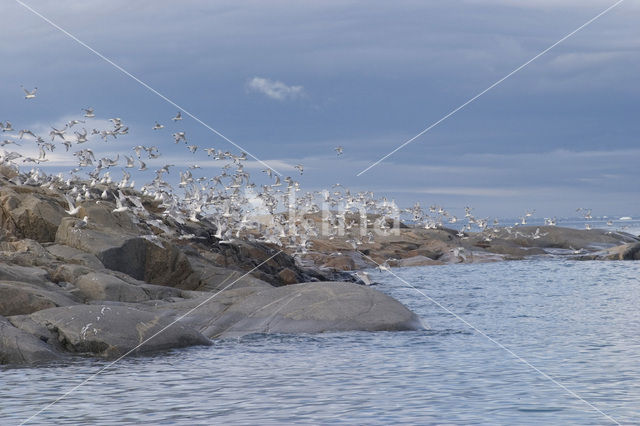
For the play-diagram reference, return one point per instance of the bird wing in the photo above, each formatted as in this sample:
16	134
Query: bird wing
69	201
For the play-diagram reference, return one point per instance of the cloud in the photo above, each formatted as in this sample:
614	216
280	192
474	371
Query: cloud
274	89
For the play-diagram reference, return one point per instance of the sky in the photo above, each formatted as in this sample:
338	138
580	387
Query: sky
288	81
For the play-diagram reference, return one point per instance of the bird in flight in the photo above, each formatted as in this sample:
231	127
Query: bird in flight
30	94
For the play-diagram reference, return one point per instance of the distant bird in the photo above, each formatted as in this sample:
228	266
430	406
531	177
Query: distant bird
73	123
130	162
178	136
30	94
299	167
55	132
339	150
88	112
158	126
177	117
23	132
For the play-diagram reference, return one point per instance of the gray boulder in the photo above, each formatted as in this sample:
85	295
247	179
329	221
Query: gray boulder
29	214
18	298
19	347
300	308
113	330
99	286
33	275
119	249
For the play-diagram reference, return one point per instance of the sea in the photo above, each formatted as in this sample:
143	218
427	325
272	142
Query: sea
540	341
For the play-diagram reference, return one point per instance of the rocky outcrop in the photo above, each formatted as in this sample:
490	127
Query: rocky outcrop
20	347
315	308
113	330
144	283
28	213
18	298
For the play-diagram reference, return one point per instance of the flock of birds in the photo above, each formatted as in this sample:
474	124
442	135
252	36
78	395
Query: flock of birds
277	212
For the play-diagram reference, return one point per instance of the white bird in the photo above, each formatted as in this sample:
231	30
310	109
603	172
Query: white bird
130	162
23	132
88	112
30	94
300	168
339	150
73	209
177	117
179	136
120	203
72	123
158	126
82	223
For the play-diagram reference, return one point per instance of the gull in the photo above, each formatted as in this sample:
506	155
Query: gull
130	162
33	160
158	126
299	167
81	137
30	94
165	168
42	153
384	266
55	132
82	223
192	148
23	132
143	166
339	150
9	156
120	203
8	142
179	136
73	209
177	117
109	162
73	123
210	151
88	112
7	127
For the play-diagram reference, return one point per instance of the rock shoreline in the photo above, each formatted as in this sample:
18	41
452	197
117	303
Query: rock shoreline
115	285
118	284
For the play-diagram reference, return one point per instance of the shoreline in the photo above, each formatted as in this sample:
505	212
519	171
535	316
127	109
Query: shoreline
105	285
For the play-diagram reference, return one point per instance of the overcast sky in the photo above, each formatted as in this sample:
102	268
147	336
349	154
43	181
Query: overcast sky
289	81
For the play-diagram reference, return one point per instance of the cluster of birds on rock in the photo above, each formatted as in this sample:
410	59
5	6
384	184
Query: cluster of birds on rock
277	212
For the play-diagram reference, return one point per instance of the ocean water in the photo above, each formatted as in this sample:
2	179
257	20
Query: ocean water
577	322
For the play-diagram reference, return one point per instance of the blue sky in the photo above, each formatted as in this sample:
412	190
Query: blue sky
291	80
